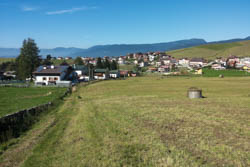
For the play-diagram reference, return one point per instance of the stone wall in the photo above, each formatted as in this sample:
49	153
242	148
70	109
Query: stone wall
13	125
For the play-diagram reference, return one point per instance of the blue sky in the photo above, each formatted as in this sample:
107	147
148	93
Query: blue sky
84	23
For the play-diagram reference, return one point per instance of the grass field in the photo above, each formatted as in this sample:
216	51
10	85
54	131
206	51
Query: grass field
2	60
15	99
58	62
212	51
146	121
127	67
225	73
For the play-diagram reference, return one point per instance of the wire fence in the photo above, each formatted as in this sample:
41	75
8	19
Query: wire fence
14	83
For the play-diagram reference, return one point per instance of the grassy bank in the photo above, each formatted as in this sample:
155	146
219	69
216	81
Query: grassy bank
212	51
148	121
15	99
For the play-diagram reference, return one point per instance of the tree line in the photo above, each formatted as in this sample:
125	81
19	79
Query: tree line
101	63
106	64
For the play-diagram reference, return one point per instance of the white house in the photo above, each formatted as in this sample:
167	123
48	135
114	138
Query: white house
163	69
183	62
80	70
218	66
245	61
101	74
50	75
158	64
197	62
68	58
121	61
114	74
151	57
141	64
166	61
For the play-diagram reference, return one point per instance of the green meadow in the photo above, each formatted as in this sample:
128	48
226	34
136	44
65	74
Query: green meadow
127	67
15	99
226	73
212	51
144	121
2	60
58	62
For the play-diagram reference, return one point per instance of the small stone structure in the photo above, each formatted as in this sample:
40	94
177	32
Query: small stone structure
221	76
194	93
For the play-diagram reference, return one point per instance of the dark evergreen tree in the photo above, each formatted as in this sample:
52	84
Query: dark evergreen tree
99	63
8	66
78	61
28	60
49	57
114	65
47	62
90	70
106	64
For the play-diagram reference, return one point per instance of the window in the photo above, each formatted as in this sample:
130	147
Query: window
44	78
55	78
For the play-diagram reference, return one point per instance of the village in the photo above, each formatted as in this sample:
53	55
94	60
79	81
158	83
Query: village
125	83
161	63
153	62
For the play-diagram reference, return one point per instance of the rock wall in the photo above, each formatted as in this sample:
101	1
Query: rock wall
13	125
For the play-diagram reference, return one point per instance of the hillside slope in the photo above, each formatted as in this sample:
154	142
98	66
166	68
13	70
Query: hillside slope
211	51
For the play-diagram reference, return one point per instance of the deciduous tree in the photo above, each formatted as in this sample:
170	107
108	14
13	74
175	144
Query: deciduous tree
78	61
28	60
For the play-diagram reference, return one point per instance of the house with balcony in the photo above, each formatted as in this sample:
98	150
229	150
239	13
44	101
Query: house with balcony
101	74
52	75
184	62
197	62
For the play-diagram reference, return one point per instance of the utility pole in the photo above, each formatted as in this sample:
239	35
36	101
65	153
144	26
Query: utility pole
92	73
89	72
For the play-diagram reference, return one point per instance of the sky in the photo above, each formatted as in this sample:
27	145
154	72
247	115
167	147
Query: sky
85	23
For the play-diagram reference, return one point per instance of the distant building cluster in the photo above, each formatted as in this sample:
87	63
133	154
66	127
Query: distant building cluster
89	69
108	67
161	62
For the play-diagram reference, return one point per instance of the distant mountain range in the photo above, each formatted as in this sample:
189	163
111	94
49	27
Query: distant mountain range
117	50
